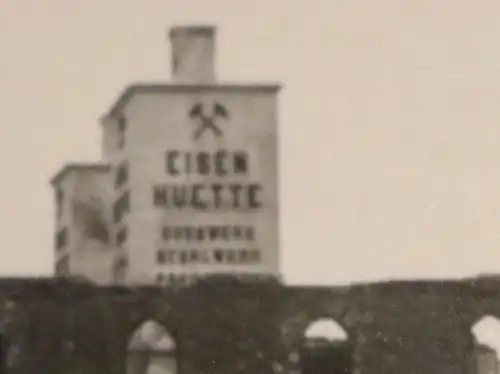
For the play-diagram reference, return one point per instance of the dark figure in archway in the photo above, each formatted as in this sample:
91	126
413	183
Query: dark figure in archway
325	357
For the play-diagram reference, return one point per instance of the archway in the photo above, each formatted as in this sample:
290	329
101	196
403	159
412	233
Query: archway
326	349
151	350
486	348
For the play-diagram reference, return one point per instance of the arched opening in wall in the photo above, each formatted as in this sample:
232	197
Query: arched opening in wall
151	350
486	348
326	349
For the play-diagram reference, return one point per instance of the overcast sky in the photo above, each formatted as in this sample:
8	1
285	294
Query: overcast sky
390	121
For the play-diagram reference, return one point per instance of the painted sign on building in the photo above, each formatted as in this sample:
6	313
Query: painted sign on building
213	195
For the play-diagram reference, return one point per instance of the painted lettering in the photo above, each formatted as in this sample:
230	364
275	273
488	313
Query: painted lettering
219	163
208	197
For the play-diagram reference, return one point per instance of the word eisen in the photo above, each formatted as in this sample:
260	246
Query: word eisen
221	191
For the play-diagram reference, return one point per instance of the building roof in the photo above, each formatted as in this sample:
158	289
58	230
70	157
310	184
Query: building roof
132	89
192	30
97	166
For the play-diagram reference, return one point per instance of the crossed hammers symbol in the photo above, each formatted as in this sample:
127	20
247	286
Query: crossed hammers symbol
208	121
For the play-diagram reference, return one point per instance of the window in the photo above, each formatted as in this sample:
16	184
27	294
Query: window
121	207
59	201
183	257
121	176
166	233
172	279
165	256
61	238
62	266
122	262
161	257
160	278
122	128
175	63
121	236
120	269
254	255
170	254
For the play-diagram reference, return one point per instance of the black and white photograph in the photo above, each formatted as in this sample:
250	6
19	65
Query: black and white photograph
258	187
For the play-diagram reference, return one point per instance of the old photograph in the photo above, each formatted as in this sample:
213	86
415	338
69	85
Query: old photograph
264	187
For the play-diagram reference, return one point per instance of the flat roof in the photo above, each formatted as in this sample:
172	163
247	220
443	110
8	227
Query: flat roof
193	30
97	166
132	89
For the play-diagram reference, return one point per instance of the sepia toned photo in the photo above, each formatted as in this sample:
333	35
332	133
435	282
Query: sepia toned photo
265	187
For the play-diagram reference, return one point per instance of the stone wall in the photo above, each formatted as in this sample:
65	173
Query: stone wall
223	325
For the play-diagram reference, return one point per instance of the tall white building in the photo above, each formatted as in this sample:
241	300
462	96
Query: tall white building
188	185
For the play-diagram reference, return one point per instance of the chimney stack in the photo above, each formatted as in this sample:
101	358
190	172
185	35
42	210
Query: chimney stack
193	54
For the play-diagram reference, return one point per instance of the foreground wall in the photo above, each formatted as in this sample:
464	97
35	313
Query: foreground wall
222	325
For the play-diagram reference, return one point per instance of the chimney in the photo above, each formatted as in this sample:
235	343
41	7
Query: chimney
193	54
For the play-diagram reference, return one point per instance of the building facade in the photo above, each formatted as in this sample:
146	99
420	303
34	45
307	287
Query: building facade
188	185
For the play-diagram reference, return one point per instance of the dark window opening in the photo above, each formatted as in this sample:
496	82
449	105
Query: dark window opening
122	262
161	257
122	128
166	233
121	176
160	278
62	266
59	201
61	238
254	256
121	236
121	207
175	64
120	269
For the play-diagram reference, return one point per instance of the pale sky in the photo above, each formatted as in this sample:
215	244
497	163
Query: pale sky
390	121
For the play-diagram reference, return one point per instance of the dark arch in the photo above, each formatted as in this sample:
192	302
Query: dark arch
485	355
151	350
